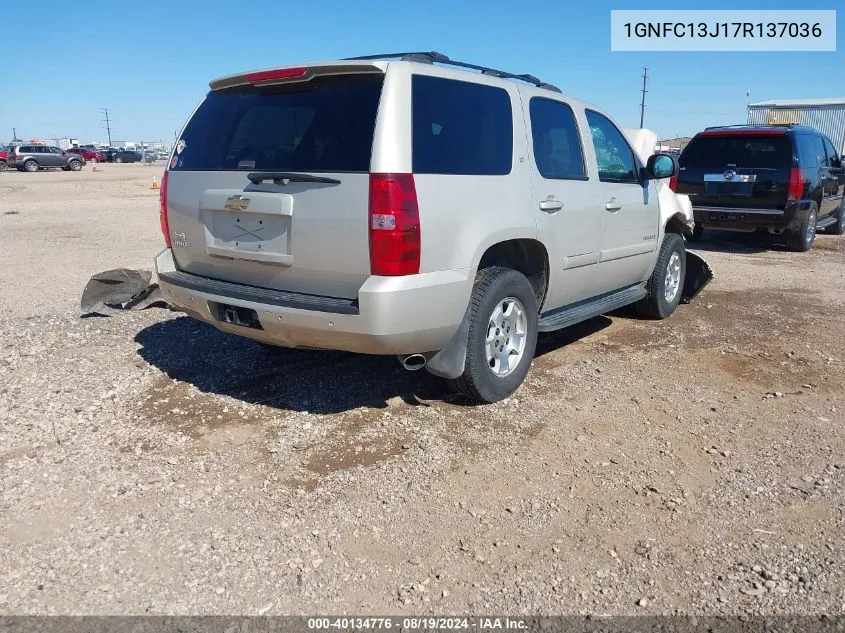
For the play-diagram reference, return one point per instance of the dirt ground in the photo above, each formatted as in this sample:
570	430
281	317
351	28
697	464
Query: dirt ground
150	464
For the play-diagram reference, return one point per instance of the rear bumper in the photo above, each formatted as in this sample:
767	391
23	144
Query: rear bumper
750	219
391	315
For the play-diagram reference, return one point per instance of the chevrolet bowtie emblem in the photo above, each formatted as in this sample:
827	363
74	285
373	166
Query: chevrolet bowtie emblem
236	203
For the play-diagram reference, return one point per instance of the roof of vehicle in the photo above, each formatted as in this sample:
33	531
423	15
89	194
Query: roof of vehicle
378	61
751	128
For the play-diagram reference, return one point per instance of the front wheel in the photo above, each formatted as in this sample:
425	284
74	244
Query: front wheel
118	160
801	240
75	165
502	335
665	286
3	165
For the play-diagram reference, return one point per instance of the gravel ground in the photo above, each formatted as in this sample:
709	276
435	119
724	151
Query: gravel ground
150	464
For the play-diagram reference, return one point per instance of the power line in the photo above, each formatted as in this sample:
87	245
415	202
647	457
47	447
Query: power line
642	103
107	122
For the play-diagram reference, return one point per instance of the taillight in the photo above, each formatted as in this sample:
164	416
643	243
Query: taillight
673	183
162	197
394	225
795	191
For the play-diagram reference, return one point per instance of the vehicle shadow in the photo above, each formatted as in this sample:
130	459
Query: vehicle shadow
716	241
316	381
291	379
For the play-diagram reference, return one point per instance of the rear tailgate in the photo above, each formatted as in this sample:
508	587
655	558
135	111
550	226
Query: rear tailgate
747	170
281	233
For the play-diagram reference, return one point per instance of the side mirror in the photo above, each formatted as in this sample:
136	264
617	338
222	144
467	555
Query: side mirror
661	166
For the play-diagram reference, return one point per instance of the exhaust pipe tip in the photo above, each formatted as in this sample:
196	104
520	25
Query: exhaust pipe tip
413	362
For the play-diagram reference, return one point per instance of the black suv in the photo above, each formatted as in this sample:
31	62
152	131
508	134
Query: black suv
764	178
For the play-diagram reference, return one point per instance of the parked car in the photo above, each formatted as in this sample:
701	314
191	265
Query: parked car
88	154
769	178
127	156
35	157
433	219
4	160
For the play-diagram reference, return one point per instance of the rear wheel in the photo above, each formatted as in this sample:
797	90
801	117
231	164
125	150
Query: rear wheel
118	159
664	287
502	335
30	165
75	165
3	165
801	240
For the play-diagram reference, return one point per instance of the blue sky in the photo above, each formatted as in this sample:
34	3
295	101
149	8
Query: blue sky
150	62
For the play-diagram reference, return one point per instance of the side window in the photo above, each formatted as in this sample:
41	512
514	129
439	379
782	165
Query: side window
833	159
614	156
460	127
811	150
557	145
56	150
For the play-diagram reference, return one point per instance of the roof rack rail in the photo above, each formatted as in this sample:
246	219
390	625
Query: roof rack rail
742	125
439	58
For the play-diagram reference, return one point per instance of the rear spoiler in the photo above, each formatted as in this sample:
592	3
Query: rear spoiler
295	74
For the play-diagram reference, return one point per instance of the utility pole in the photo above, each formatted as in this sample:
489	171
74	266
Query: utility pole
747	106
642	103
108	123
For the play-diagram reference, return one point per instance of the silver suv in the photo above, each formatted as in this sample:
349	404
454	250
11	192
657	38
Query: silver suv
35	157
409	204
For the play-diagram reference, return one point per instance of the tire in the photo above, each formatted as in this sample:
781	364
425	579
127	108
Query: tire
697	232
3	165
118	160
74	165
801	240
837	228
30	166
505	294
665	286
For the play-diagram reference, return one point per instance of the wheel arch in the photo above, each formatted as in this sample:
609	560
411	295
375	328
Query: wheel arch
678	223
526	255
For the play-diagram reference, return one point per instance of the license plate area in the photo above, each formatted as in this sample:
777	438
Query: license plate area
729	184
262	237
724	217
237	315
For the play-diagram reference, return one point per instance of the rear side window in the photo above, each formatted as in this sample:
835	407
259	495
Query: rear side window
557	145
325	124
461	128
811	151
753	151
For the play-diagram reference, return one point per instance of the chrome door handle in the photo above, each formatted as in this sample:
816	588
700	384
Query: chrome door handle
551	205
612	205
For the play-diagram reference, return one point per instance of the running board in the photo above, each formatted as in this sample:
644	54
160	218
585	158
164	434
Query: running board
583	310
826	222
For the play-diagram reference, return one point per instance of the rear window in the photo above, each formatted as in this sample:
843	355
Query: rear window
323	125
461	128
754	151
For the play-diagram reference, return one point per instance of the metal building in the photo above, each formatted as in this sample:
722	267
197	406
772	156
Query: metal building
826	115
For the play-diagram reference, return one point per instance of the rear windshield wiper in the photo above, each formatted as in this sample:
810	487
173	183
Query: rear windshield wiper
284	177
